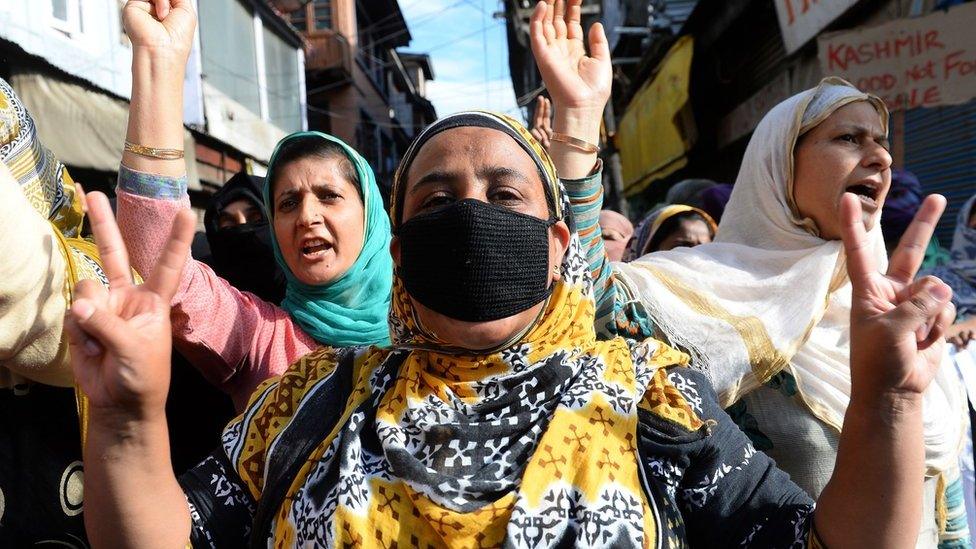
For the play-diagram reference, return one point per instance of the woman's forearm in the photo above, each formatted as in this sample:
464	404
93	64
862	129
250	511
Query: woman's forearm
132	498
32	303
573	162
156	109
874	497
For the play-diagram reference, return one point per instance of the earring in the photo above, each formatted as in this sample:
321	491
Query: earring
556	270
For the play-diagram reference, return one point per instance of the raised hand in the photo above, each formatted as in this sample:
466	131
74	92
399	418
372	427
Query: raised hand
542	121
897	322
160	24
573	78
120	336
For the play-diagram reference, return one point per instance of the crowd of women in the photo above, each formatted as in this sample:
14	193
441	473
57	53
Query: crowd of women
477	367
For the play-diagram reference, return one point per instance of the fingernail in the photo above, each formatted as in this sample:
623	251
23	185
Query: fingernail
83	309
92	348
942	292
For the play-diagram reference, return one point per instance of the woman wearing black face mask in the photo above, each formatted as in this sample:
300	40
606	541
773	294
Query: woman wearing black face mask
492	420
240	238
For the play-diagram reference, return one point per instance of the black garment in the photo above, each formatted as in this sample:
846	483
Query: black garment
196	414
200	248
243	255
40	468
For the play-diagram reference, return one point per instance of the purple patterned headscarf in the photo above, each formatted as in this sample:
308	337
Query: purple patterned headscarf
714	199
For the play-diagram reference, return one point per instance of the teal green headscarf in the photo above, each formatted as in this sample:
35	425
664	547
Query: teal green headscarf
354	308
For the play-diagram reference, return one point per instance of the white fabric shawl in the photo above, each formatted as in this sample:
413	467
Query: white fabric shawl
769	294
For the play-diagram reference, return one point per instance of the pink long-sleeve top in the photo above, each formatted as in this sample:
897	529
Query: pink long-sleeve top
235	339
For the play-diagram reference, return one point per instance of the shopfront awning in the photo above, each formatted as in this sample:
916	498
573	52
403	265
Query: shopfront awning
83	127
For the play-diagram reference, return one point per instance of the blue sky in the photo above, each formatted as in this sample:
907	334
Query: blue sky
468	52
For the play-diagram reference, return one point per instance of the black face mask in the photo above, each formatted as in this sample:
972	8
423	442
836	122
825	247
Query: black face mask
243	256
475	262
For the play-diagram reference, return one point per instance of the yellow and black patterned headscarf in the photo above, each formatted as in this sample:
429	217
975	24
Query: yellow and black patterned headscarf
48	187
404	327
51	192
480	119
532	443
42	177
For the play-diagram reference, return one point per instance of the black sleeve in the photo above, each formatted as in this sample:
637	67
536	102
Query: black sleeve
221	508
728	493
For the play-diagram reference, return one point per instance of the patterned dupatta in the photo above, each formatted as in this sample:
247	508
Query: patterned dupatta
51	192
531	445
47	185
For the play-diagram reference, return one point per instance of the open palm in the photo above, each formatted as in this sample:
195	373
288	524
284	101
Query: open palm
573	78
163	24
120	336
897	322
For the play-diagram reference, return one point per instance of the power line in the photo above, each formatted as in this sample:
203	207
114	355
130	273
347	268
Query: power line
384	65
348	117
494	83
251	79
427	17
450	42
364	33
484	44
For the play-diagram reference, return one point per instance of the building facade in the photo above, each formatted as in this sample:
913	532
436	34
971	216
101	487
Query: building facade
749	55
69	60
693	79
360	87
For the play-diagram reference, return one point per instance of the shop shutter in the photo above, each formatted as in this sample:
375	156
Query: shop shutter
940	148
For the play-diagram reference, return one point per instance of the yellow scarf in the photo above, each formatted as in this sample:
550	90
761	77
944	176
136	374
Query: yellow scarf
51	191
530	444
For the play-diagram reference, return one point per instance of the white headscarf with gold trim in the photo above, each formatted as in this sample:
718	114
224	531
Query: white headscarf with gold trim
769	294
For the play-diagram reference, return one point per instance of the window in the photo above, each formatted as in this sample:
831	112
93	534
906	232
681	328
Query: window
372	53
323	14
66	16
368	140
319	10
59	9
281	74
229	52
389	157
299	18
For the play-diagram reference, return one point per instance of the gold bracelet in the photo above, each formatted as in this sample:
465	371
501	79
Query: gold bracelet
153	152
584	146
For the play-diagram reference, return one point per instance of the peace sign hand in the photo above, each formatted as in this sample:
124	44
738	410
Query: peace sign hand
897	323
119	336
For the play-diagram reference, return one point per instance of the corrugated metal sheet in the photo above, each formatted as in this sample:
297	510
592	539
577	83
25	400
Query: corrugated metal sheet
940	148
747	57
656	131
677	12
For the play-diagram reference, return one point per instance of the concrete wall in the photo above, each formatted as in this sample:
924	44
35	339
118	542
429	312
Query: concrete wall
98	53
